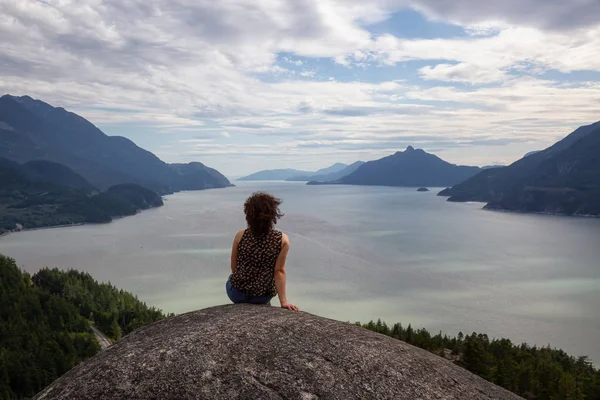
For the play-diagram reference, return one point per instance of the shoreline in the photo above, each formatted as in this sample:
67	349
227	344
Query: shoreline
486	208
3	234
590	216
117	217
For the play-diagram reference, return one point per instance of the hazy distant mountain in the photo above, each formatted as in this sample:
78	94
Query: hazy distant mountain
331	176
492	166
275	175
337	167
564	178
33	130
409	168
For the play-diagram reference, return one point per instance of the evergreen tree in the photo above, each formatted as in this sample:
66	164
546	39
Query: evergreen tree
44	325
531	372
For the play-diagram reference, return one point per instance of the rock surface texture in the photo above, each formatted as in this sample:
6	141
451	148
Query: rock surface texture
260	352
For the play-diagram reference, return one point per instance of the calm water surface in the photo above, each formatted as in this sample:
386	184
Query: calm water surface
358	253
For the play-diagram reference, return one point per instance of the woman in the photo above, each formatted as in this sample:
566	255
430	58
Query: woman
258	255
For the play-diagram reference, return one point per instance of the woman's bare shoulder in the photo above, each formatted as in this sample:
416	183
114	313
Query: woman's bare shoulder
285	239
239	235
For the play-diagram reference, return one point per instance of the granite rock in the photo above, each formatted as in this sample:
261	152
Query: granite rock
261	352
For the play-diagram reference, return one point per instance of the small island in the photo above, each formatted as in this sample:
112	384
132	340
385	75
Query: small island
422	189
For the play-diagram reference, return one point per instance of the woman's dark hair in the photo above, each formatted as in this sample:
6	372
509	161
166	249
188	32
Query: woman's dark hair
262	212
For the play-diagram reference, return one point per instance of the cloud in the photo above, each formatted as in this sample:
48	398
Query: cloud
308	74
461	73
525	48
259	70
389	109
546	14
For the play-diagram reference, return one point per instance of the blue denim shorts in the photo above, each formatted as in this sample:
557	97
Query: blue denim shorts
237	296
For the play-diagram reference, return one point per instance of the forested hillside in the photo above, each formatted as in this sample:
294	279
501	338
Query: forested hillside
51	198
45	324
540	373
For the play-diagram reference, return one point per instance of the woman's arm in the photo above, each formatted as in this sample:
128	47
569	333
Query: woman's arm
280	274
234	250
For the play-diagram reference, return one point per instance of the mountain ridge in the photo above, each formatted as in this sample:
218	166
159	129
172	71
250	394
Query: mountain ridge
329	176
409	168
34	130
291	174
280	174
562	179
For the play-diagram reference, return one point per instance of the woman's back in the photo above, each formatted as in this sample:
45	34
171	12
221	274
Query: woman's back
256	260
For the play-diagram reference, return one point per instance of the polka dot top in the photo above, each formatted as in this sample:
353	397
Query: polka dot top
255	269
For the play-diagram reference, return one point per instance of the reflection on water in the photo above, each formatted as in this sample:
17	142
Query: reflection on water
358	253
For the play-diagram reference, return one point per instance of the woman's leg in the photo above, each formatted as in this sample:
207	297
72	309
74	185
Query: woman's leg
235	295
260	300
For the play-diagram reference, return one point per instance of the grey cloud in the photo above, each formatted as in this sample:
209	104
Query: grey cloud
305	108
247	125
357	111
546	14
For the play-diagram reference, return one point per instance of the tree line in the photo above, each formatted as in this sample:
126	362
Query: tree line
45	324
532	372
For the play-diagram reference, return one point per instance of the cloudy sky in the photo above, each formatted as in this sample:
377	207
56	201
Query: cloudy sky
243	85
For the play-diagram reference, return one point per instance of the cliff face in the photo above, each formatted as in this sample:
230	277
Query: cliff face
260	352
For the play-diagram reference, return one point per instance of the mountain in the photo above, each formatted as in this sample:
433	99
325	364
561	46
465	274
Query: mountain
34	203
531	153
40	173
140	197
563	179
48	171
493	166
337	167
33	130
197	176
330	176
275	175
292	174
409	168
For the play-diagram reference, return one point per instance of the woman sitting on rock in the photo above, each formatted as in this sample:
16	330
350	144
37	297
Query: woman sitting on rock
258	255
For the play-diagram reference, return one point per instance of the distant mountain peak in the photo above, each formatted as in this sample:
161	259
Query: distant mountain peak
412	168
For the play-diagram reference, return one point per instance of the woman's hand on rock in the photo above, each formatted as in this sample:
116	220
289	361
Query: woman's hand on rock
289	306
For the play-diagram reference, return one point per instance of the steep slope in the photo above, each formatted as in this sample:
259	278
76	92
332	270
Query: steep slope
255	352
409	168
275	175
197	176
140	197
33	130
48	171
565	179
